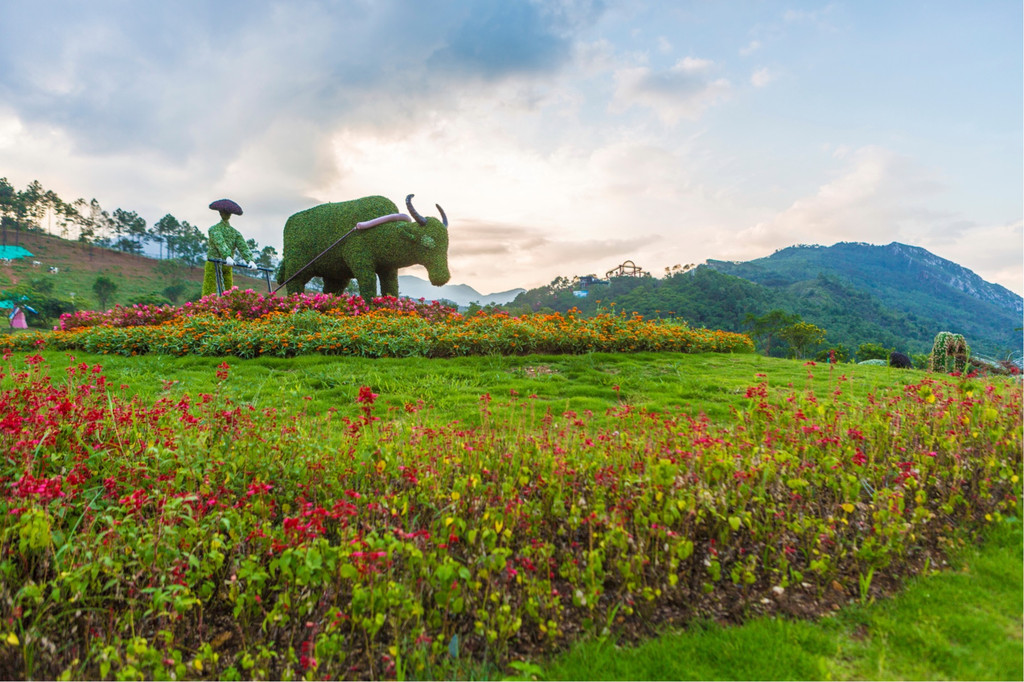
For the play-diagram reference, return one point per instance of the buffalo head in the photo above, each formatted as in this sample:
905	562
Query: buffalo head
432	241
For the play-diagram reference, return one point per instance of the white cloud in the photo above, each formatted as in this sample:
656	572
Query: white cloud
762	77
750	48
683	91
879	197
821	18
573	209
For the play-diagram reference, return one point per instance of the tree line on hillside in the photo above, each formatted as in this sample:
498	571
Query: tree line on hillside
821	316
36	209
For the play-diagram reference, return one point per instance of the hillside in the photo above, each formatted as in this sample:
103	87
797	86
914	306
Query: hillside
898	296
78	264
930	292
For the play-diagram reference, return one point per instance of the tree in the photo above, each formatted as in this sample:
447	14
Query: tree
104	288
175	291
32	206
94	224
560	283
873	351
801	336
54	207
769	326
8	198
67	215
165	231
130	229
266	257
190	246
38	292
84	221
42	285
837	353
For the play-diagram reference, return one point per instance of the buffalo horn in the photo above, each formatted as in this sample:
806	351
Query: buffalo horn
412	211
444	218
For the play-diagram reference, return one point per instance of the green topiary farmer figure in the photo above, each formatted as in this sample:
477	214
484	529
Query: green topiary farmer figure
224	242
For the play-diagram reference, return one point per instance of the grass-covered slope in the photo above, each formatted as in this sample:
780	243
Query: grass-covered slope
79	264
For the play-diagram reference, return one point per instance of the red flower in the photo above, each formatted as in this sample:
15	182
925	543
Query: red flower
366	395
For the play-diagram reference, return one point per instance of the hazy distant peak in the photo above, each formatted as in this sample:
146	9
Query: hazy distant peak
462	294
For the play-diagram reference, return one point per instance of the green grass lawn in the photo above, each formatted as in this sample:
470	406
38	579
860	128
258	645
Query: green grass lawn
712	383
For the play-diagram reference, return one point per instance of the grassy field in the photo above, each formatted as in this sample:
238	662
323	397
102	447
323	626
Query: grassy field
711	383
914	635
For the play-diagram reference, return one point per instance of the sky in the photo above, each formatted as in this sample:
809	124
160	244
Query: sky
561	137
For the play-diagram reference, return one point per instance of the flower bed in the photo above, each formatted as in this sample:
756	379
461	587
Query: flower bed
200	539
248	305
247	325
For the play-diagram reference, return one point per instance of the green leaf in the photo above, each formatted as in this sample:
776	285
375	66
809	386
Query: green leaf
313	560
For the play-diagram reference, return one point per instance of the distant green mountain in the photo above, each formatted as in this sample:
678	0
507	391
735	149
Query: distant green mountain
932	294
898	296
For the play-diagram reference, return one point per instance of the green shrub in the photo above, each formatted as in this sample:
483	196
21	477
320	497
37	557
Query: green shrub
104	288
175	292
873	351
838	353
150	299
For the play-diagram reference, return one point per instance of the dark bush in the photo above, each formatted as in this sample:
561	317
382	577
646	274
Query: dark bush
900	361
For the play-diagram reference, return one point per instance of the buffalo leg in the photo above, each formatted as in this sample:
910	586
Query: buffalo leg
297	285
389	282
367	285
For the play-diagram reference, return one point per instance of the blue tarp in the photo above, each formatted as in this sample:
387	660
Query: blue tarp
10	305
12	301
14	252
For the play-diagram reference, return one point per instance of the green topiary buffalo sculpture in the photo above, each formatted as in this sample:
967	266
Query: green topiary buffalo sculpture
363	239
